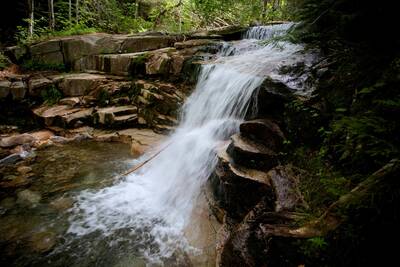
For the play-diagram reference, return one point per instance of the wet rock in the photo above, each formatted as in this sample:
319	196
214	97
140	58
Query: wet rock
28	198
236	188
16	140
80	84
11	159
250	154
286	184
62	203
24	169
265	132
42	242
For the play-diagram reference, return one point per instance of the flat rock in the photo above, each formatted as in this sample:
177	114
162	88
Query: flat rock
193	43
63	115
70	101
80	84
116	115
16	140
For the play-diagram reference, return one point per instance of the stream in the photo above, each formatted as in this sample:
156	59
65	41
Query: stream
157	216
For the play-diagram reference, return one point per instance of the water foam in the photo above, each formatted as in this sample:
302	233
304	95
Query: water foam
155	203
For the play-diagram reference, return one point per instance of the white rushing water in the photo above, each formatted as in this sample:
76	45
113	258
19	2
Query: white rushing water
156	202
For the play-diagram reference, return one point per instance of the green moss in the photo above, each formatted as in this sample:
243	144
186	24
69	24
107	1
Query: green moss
38	66
51	95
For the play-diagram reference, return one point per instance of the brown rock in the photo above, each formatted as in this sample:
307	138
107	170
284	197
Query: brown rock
43	241
24	169
80	84
15	140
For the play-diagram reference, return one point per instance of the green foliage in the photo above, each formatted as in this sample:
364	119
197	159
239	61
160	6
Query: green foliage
4	62
51	95
313	247
38	65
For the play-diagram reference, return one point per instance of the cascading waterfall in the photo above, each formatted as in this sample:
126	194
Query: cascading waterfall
154	205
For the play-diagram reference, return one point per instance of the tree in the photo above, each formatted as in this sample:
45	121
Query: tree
77	11
70	10
31	6
51	15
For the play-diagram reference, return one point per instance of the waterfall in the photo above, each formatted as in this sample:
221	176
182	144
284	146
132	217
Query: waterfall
154	204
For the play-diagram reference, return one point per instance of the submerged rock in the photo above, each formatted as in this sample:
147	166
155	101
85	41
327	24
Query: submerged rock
42	242
28	198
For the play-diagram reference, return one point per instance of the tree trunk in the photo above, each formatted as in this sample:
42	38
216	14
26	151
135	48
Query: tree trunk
31	6
77	11
70	11
51	15
264	9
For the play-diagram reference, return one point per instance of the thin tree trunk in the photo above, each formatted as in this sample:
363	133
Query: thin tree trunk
31	6
70	11
264	9
77	11
51	15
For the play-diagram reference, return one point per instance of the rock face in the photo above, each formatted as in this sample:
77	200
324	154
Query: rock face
80	84
259	197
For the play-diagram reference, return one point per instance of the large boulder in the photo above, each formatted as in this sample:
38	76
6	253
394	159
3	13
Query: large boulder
48	52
